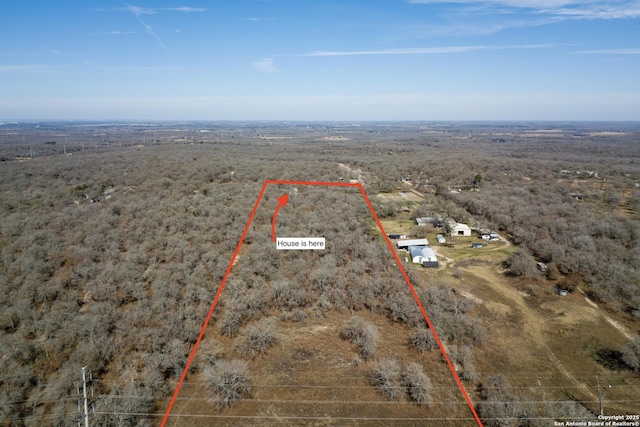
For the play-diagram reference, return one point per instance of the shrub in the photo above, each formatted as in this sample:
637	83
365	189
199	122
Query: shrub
631	353
362	333
227	380
417	384
230	322
500	408
257	339
463	357
423	340
403	308
352	328
522	264
386	376
285	295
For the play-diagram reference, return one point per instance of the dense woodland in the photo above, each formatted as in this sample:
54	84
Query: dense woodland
111	254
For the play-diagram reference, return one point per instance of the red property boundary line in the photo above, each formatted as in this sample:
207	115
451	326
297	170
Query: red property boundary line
395	255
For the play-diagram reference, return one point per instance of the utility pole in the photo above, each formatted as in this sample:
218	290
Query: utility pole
601	393
84	413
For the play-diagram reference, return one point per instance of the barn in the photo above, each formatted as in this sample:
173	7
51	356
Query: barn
458	229
461	230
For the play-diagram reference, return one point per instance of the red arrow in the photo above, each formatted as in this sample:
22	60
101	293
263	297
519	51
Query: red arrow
282	201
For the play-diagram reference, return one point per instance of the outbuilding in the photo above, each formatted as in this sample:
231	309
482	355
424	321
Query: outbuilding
405	244
397	236
423	255
458	229
484	233
423	221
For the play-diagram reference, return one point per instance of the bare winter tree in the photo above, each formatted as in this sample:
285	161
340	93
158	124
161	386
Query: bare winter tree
631	353
417	384
423	340
257	339
386	376
522	264
500	408
228	381
362	333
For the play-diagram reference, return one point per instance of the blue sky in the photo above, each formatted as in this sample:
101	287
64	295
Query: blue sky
320	60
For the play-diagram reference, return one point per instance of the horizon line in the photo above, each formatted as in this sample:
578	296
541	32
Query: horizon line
5	121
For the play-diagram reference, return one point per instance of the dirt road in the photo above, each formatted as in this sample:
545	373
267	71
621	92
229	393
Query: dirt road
533	323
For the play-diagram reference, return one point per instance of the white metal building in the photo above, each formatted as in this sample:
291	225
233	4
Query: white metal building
423	255
405	244
457	229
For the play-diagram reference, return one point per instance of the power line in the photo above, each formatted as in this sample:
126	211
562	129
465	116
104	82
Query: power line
329	418
278	417
372	402
303	386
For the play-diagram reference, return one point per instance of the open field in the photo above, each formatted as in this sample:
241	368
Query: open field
112	254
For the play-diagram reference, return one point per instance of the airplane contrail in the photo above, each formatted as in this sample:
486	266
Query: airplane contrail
137	11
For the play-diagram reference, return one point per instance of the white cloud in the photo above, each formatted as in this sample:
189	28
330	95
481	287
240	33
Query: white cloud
137	10
255	19
265	65
568	9
623	51
134	70
426	50
466	28
185	9
27	68
599	11
112	33
537	4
